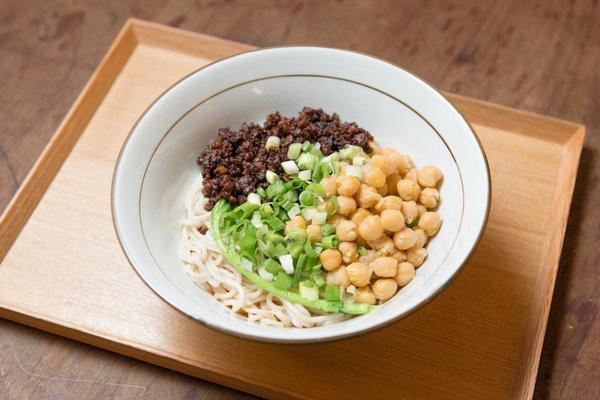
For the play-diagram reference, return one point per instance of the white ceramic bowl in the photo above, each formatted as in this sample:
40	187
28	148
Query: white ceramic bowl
157	165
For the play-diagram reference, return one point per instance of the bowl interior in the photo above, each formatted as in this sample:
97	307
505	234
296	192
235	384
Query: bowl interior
162	170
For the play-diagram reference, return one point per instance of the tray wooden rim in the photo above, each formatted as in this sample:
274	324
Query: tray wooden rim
136	32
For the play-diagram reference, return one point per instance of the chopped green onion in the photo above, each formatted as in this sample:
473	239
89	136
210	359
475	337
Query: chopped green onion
308	213
307	199
271	266
307	161
296	235
305	175
275	188
331	205
330	242
306	146
318	277
358	161
279	250
256	220
265	210
308	290
354	170
275	223
247	264
332	293
319	218
273	142
351	151
282	281
327	230
290	167
299	268
362	251
292	212
253	198
261	192
267	276
294	150
291	195
316	188
287	262
335	156
271	176
295	249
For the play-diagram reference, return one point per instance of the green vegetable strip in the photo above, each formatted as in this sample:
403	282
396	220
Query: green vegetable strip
278	286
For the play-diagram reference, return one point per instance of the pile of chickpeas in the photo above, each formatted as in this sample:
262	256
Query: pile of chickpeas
391	212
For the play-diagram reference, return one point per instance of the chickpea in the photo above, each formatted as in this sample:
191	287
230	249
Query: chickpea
421	210
410	211
392	220
346	205
376	148
329	185
411	174
371	228
429	176
408	189
383	164
359	274
331	259
314	231
392	183
384	267
405	239
347	185
430	222
367	197
405	273
382	190
389	203
416	256
374	177
386	151
365	295
399	256
359	215
349	251
384	288
296	222
403	164
384	245
346	231
338	277
421	238
429	197
368	257
335	220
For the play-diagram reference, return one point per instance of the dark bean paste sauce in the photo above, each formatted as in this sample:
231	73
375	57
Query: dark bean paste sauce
234	164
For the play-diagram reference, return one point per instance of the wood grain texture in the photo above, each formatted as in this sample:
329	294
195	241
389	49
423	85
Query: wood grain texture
50	283
540	56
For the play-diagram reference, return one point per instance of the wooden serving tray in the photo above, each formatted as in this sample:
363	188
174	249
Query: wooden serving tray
481	338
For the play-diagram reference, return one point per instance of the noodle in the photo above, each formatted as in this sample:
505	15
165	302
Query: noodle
210	270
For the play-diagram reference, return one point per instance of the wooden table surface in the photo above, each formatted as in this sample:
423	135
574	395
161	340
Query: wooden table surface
542	56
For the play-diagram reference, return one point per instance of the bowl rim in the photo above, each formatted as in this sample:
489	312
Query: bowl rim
358	332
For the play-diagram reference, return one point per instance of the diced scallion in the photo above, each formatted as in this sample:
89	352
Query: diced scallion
290	167
319	218
305	175
294	150
273	142
354	170
266	275
287	262
306	161
271	176
253	198
308	290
